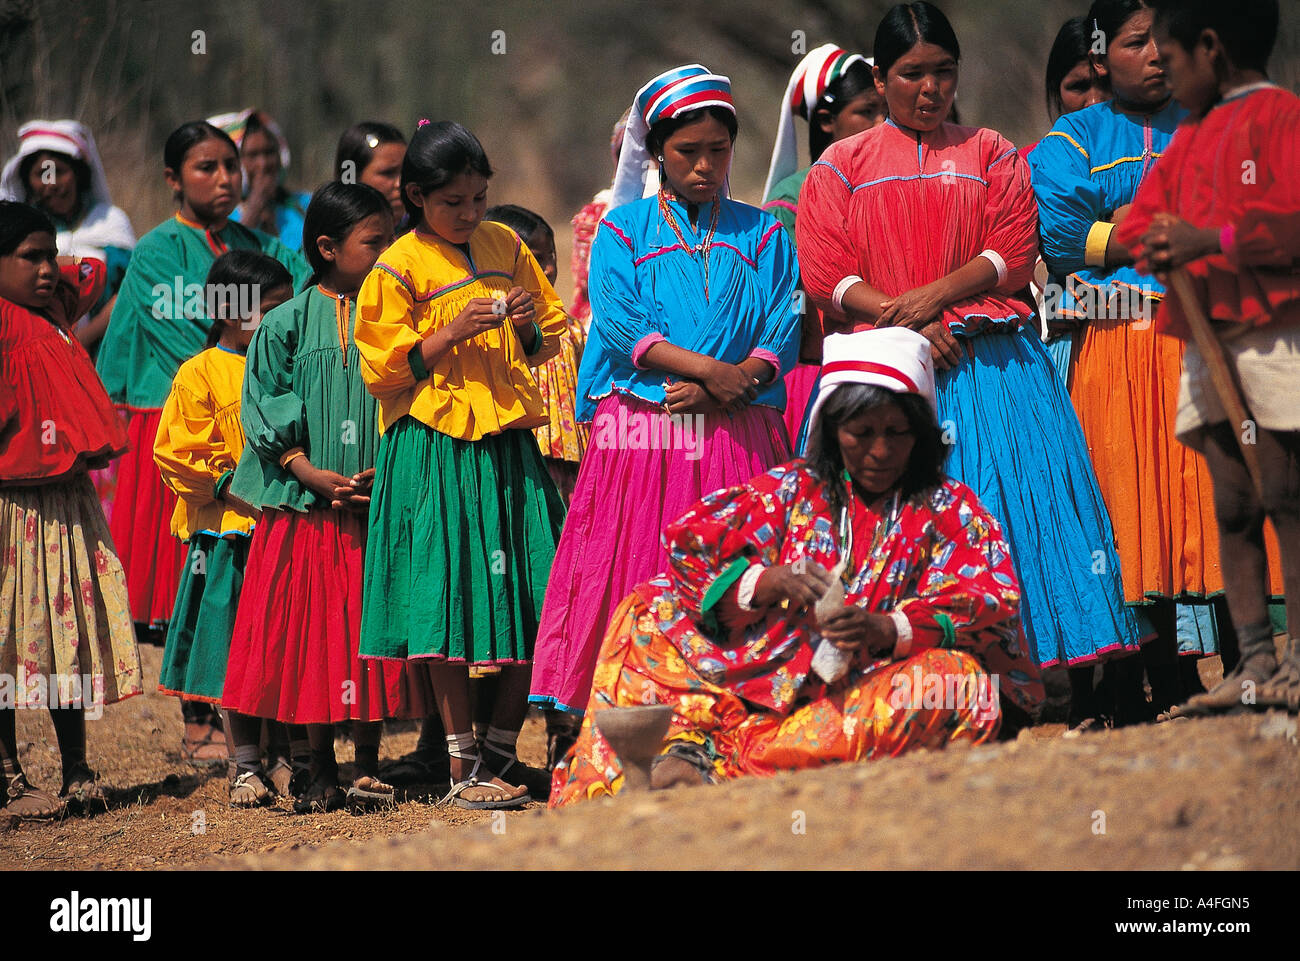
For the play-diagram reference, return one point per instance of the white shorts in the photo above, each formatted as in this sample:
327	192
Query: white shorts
1267	363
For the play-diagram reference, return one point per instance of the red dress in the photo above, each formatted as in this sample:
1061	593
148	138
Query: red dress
56	419
1235	169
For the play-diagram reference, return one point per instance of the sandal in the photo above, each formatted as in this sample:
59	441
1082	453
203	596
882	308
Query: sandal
249	790
1087	726
83	791
460	787
23	802
536	780
369	792
322	796
204	745
417	768
289	778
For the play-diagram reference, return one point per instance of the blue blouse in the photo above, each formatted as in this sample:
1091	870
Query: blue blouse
644	287
1090	163
289	216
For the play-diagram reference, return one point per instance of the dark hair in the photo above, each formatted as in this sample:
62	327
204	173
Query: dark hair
242	268
187	136
663	129
853	82
925	468
354	145
519	219
334	210
80	169
1109	17
906	25
437	154
18	221
1072	44
1246	28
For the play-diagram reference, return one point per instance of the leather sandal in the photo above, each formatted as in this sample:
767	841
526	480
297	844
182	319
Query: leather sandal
25	803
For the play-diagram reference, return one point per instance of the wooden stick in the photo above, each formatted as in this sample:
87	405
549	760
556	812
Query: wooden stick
1216	360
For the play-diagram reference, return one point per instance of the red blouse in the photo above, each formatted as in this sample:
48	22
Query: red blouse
55	416
1235	170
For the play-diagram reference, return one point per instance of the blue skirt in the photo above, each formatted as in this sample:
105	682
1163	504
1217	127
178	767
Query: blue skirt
1018	444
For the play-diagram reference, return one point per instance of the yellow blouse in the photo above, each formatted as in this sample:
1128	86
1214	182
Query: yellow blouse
199	442
482	386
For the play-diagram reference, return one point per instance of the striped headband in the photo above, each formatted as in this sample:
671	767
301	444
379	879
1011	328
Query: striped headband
821	68
682	89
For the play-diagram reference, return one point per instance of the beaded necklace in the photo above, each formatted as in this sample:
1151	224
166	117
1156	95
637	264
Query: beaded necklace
700	248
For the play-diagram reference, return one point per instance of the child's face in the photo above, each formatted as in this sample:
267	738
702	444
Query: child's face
1081	87
542	243
353	256
455	210
208	182
52	184
1191	72
863	112
239	332
384	173
28	275
1133	64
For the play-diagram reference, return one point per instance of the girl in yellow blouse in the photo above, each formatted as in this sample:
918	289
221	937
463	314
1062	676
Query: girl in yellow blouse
197	447
464	517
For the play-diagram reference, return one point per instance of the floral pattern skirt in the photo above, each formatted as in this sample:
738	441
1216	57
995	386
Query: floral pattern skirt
884	713
64	615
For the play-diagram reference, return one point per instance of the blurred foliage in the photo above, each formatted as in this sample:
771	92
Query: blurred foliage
543	108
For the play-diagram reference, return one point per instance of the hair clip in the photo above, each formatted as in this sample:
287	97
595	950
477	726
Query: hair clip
372	141
423	122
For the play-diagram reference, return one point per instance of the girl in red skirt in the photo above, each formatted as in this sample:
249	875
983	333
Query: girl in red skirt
311	435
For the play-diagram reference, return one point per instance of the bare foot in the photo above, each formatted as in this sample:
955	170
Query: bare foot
1283	688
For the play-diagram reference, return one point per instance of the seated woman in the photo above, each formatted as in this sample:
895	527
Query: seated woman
929	616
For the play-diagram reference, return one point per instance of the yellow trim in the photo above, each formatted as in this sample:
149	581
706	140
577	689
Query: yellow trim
1094	248
1058	133
1125	160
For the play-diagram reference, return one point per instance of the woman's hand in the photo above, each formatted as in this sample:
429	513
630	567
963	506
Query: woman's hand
801	584
1120	213
326	484
944	347
479	316
521	310
687	397
913	309
1170	242
731	387
852	627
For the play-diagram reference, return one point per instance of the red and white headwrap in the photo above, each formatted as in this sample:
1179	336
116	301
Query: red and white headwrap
895	358
817	71
675	91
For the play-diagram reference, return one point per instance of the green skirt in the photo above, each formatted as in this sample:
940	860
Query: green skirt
462	536
198	635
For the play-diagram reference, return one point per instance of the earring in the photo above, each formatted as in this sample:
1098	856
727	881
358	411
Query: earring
661	158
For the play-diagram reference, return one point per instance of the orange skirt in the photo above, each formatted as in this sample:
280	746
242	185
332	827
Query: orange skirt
882	714
1158	492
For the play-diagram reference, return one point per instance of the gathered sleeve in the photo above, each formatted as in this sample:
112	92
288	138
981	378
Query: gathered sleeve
627	328
274	418
1013	231
386	335
968	596
778	267
1071	208
714	543
827	253
550	317
189	450
80	286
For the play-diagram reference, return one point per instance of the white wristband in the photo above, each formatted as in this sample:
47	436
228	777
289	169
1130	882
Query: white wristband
904	643
745	587
1000	265
842	288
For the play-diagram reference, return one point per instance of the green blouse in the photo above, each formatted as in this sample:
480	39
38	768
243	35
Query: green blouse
160	319
302	388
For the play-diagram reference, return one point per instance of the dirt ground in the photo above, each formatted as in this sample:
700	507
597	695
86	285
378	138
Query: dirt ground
1169	796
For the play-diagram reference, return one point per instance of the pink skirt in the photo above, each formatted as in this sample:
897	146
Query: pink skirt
799	384
629	488
293	655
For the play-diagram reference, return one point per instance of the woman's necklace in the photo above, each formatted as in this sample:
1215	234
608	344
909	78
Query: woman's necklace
849	511
701	248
